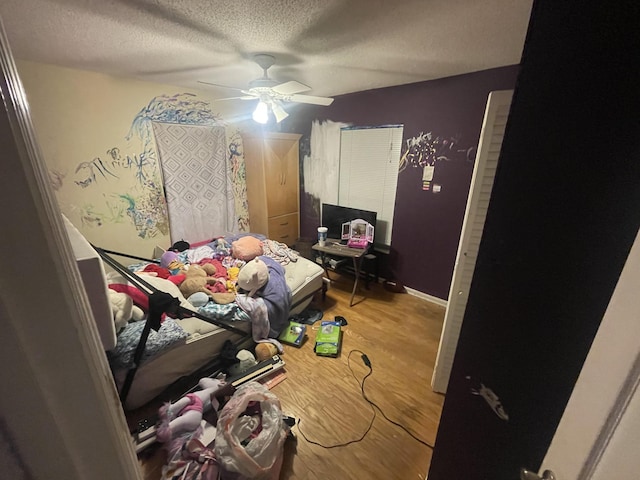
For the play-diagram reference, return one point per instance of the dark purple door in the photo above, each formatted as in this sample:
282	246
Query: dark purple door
564	212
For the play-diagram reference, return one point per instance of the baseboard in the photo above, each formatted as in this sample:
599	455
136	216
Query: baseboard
426	296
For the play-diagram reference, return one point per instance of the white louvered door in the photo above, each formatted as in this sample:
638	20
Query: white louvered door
493	126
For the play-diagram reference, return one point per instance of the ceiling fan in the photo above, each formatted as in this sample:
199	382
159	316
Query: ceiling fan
271	94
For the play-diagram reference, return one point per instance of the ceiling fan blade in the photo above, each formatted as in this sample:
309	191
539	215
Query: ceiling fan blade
326	101
289	88
244	97
221	86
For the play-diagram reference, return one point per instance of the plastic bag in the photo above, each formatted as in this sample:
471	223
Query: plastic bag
251	445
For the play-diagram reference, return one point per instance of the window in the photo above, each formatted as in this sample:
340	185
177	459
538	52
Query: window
368	175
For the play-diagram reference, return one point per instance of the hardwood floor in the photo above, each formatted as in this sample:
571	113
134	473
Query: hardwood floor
399	333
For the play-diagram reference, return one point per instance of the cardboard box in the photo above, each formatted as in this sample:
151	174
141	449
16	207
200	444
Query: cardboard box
294	334
328	339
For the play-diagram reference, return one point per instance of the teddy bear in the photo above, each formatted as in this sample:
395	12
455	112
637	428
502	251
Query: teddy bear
265	350
196	280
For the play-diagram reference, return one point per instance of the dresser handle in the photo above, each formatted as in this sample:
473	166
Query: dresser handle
284	236
283	224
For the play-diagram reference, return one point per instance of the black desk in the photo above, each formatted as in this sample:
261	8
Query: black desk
334	248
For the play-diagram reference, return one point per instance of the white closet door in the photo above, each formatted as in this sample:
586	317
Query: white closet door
495	120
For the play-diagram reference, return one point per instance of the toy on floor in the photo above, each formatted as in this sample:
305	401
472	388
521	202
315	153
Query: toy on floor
184	415
265	351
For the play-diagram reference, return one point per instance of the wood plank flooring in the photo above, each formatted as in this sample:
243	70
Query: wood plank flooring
399	333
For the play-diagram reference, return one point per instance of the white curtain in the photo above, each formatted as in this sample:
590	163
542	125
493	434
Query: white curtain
321	168
197	180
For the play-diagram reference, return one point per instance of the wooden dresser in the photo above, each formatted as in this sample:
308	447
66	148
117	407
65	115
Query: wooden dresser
273	189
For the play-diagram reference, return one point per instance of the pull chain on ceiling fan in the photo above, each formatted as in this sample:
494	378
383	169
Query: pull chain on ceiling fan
272	95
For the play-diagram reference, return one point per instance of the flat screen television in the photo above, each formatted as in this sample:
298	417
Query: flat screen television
333	216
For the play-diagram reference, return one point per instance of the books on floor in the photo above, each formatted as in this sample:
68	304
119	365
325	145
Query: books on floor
294	334
328	339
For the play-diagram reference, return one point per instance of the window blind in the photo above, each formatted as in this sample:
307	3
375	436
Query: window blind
368	174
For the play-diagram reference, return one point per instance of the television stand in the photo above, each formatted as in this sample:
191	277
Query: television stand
334	248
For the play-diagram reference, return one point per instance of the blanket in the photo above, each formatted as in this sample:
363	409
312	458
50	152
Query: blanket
169	334
277	297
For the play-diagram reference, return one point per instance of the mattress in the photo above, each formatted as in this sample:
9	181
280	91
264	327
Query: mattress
205	340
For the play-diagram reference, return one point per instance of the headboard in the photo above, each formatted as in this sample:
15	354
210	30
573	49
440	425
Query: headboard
95	283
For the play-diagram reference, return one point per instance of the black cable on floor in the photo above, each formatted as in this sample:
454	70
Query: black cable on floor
371	403
367	363
363	396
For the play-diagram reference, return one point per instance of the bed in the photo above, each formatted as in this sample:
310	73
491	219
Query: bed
199	341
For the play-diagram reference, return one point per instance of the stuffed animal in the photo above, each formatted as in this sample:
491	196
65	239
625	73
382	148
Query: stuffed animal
253	276
232	280
198	299
265	350
246	360
123	309
167	258
196	280
184	416
210	269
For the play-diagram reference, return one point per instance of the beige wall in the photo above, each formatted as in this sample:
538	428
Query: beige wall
79	117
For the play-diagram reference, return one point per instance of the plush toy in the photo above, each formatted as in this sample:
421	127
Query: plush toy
196	280
198	299
184	416
232	280
123	309
246	360
253	276
265	350
168	257
210	269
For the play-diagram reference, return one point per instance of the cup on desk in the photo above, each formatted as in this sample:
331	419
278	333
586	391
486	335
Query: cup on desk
322	236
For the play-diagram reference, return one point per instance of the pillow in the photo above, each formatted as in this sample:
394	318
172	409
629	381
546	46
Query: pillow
246	248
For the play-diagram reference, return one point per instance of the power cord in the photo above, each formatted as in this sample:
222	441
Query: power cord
372	404
363	396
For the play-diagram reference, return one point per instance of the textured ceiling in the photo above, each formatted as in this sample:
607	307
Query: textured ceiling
334	46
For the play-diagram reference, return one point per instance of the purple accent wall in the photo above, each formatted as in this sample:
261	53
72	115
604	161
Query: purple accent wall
426	225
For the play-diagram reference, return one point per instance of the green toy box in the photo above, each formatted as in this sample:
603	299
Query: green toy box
328	339
295	334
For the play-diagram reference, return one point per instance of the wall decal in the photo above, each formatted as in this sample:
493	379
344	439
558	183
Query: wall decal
427	149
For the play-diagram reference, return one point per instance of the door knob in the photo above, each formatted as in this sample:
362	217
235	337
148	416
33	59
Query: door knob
527	475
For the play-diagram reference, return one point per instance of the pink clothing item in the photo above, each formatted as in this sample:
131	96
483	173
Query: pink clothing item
196	404
221	271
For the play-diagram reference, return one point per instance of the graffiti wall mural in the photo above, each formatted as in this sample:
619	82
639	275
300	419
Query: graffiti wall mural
427	149
124	183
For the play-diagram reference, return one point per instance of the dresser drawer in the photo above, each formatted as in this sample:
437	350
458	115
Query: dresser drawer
284	228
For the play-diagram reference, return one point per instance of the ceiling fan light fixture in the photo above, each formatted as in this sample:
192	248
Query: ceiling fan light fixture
278	112
261	113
